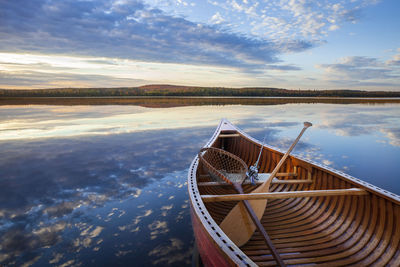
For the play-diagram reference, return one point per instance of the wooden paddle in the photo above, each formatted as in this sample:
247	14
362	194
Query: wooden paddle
225	166
238	224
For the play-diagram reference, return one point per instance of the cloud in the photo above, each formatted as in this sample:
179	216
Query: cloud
283	67
351	15
131	30
217	18
237	38
395	61
359	70
24	79
288	19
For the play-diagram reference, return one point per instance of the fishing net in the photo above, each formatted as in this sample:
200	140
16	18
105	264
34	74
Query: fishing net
222	165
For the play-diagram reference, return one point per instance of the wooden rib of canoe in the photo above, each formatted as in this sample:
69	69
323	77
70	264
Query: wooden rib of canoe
355	223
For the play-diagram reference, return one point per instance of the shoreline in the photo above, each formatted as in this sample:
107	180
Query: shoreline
169	101
195	97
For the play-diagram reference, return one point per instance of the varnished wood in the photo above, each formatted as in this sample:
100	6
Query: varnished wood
274	181
263	176
334	230
236	219
260	228
279	195
228	135
223	165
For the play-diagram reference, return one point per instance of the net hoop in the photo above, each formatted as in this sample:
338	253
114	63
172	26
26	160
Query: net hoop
223	165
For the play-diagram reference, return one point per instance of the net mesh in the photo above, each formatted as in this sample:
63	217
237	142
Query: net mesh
222	165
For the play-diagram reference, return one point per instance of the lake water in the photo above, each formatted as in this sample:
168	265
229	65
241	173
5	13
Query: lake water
105	185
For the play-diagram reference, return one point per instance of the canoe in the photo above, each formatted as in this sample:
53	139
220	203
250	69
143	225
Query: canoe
315	215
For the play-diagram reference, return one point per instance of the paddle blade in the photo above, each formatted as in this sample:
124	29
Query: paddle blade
238	225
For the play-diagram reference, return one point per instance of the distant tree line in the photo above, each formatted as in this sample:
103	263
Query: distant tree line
170	90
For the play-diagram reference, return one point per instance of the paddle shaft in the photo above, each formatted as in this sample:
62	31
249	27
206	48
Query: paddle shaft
275	171
260	228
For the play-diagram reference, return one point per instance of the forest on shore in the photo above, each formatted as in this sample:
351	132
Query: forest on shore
174	90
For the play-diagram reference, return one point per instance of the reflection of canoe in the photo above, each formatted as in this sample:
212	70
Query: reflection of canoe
340	220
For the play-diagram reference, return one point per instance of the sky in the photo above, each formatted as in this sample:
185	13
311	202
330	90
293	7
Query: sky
294	44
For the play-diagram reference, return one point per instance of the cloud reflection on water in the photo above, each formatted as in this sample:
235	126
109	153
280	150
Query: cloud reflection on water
46	184
106	185
111	123
345	120
393	134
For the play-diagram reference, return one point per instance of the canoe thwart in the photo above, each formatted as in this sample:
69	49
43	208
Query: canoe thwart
228	135
274	181
288	194
291	181
264	176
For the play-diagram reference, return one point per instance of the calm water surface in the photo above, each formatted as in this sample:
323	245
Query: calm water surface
106	185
